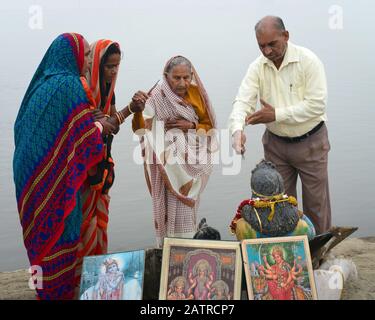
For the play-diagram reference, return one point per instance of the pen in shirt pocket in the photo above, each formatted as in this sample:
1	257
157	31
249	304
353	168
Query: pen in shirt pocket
291	87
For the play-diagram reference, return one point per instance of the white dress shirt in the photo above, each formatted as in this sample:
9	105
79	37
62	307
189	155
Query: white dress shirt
297	91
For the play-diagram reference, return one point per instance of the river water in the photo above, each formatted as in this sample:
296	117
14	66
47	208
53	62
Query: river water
218	38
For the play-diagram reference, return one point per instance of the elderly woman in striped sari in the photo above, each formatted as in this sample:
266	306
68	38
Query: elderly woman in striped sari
56	144
178	170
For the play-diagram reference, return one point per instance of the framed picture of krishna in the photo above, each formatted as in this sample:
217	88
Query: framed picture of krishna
200	270
116	276
278	269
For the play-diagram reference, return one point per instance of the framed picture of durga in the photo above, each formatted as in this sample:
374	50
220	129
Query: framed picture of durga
200	270
278	269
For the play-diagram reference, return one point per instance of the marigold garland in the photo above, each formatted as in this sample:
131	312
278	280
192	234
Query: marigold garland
263	202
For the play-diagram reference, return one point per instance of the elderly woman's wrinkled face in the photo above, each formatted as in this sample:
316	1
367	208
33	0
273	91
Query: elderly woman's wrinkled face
179	79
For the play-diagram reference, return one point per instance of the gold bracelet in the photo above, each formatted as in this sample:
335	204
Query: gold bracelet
118	118
122	116
107	115
130	110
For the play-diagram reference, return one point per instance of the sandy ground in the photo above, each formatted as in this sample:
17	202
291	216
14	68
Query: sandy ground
14	285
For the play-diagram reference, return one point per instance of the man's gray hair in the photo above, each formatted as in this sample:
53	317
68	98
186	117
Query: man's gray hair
278	23
177	61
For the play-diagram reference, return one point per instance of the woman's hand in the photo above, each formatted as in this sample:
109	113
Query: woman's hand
97	114
114	121
181	124
108	126
138	101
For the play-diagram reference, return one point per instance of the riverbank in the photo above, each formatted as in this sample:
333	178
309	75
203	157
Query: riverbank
14	285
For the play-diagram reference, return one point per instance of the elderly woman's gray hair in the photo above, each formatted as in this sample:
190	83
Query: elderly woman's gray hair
177	61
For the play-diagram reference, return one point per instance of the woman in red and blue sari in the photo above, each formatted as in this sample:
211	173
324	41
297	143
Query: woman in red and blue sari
56	143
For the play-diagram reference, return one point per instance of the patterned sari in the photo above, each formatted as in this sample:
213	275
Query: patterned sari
95	197
56	143
176	184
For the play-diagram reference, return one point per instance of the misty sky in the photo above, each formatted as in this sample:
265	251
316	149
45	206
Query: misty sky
216	35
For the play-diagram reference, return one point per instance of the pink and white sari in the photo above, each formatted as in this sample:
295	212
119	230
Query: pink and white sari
177	164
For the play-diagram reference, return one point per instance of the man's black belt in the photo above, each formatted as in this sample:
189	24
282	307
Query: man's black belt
300	138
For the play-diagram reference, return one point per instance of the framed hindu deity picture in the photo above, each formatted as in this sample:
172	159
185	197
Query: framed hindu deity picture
116	276
200	270
278	269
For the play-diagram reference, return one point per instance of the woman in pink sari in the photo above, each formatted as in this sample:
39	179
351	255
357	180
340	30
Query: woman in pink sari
180	116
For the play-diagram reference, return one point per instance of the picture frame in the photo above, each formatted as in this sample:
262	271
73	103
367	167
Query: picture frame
278	268
200	270
114	276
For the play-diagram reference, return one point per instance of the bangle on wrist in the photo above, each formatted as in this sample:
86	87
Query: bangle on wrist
120	117
99	126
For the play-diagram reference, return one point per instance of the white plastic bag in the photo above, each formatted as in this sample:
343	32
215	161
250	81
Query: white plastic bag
331	276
